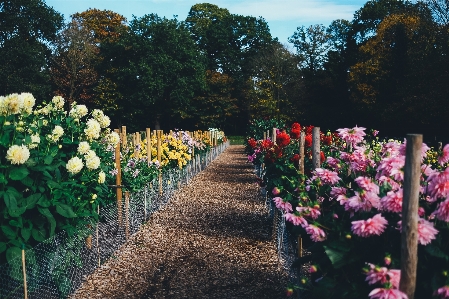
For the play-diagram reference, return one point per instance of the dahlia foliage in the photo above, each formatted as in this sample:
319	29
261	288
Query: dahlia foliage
350	209
56	165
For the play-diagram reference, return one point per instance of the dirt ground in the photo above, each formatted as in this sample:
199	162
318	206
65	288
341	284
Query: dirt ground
212	240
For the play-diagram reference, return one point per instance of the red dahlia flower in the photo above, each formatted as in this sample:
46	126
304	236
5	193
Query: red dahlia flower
294	134
308	141
282	139
296	127
252	142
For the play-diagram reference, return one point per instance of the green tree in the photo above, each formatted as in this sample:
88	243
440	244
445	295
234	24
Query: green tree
27	28
158	71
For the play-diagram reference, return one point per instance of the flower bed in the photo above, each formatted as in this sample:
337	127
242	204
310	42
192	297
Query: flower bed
350	209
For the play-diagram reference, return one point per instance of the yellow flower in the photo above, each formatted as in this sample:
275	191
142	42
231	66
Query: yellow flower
18	154
101	177
83	147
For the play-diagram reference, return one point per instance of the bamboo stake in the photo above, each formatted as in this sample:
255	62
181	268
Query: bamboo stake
302	140
316	148
118	181
97	237
159	158
264	135
149	148
25	287
273	135
124	138
409	235
127	214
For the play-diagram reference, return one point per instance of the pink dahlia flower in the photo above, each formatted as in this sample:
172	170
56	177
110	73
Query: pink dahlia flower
316	233
327	177
352	136
295	219
392	202
383	275
442	211
334	163
424	149
438	186
382	293
444	156
426	232
364	201
336	191
309	211
443	292
372	226
366	184
392	167
283	205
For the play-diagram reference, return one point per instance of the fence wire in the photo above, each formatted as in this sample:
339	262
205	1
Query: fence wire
286	243
58	266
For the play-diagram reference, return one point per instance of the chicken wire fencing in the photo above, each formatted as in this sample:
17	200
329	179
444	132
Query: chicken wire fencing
286	244
58	266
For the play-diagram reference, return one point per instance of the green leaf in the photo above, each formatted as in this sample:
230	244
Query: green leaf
65	210
27	181
8	232
13	253
10	200
337	257
16	223
48	160
17	212
436	252
32	200
26	233
53	185
38	234
46	212
44	202
2	247
3	180
18	173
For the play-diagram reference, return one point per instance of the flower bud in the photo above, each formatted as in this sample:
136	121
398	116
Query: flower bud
276	191
387	260
313	269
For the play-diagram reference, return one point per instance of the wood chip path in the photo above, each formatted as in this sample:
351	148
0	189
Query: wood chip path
213	240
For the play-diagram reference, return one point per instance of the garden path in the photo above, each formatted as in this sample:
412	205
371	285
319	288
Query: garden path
213	240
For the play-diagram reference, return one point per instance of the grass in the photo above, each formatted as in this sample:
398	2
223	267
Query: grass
236	140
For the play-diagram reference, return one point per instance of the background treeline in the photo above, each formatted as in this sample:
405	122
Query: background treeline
386	69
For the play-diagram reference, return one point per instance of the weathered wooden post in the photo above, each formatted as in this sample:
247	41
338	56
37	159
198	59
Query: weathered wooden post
273	135
159	158
149	146
316	163
409	235
118	179
24	271
124	138
302	142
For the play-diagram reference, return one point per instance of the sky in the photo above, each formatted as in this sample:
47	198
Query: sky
282	16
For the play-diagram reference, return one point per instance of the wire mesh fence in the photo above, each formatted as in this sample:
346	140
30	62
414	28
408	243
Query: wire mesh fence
286	243
58	266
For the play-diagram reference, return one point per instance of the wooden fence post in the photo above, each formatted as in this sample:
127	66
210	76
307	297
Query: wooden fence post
409	235
273	136
149	147
316	159
302	140
124	137
159	158
118	179
97	239
24	271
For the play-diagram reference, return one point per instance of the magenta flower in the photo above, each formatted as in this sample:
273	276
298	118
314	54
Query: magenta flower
367	185
327	177
364	201
296	220
381	293
391	167
313	212
382	275
336	191
426	232
442	292
370	227
352	136
438	184
444	156
392	202
283	205
334	163
316	233
442	211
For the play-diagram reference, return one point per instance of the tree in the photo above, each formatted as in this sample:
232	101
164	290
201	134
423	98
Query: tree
107	28
27	28
213	107
275	75
312	45
159	69
73	64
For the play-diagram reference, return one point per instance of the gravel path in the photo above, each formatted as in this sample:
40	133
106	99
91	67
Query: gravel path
213	240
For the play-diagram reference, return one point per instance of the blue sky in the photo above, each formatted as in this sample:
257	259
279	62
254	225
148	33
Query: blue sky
283	16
